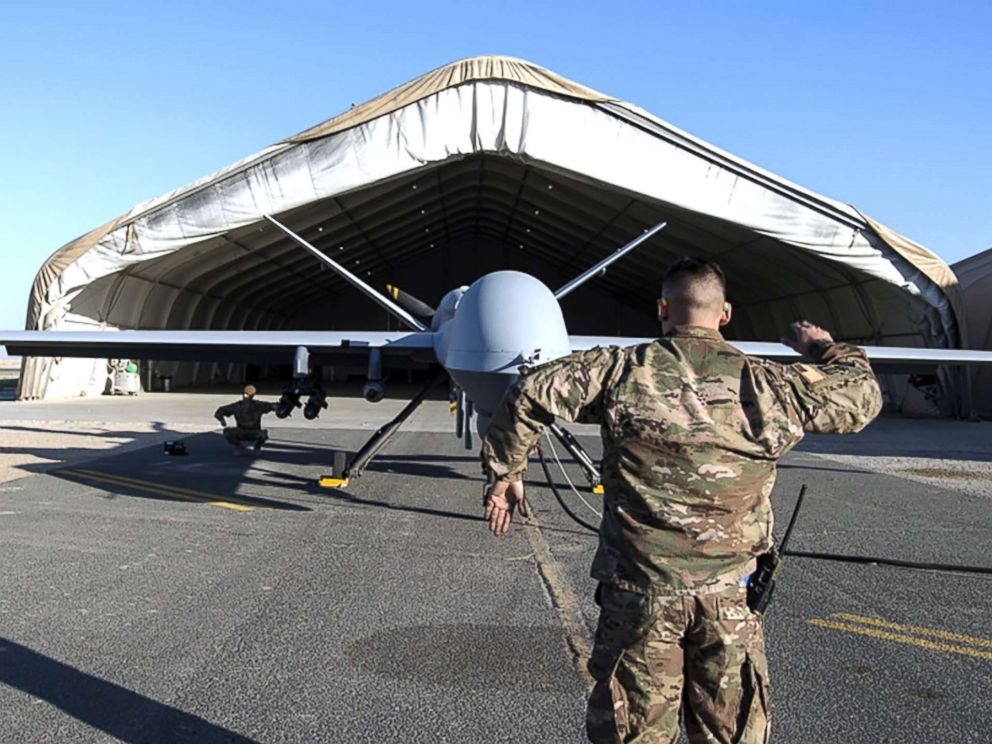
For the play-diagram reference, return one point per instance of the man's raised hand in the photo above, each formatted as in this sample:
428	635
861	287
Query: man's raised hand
802	334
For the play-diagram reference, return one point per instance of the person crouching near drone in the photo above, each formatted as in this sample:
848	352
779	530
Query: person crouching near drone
247	414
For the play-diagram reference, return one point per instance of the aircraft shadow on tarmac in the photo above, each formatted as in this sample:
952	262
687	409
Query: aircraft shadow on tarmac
115	710
144	471
165	492
55	456
286	465
415	465
276	456
422	466
351	498
211	469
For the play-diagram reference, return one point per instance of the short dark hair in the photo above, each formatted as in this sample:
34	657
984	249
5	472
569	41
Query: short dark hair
695	269
695	282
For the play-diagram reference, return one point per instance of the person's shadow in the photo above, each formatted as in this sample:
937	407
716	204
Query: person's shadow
113	709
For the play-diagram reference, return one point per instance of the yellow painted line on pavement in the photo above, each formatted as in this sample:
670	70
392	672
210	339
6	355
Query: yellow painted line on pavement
230	505
566	604
163	490
104	478
199	495
874	632
943	634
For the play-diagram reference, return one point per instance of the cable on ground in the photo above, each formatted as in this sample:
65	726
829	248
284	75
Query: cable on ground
554	489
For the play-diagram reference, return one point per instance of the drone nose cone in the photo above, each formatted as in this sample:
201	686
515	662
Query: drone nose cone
503	320
507	318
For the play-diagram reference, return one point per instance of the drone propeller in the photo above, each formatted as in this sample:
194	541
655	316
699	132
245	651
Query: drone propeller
410	303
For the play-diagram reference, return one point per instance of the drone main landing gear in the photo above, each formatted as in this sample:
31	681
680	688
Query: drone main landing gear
344	469
576	450
571	444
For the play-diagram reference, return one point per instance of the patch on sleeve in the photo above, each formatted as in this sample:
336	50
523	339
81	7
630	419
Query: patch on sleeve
811	374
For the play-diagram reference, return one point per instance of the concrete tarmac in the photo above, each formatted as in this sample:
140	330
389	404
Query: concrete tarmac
212	597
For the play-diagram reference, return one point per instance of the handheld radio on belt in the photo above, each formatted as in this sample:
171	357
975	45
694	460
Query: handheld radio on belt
762	582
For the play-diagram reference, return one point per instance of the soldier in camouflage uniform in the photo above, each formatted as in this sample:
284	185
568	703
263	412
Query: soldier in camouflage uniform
691	432
247	414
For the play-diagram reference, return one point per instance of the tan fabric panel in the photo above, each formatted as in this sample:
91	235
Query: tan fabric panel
56	264
463	71
35	370
932	266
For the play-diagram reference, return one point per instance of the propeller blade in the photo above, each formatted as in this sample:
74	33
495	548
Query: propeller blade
410	303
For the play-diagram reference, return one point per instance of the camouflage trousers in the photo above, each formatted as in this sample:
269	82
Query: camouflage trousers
658	660
235	435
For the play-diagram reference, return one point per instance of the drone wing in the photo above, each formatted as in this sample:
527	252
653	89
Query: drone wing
235	346
887	356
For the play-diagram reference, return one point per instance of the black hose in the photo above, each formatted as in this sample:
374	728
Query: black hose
867	560
561	501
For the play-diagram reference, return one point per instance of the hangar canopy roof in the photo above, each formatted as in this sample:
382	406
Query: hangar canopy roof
489	163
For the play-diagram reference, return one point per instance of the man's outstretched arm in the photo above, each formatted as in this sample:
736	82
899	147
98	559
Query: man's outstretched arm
570	388
221	413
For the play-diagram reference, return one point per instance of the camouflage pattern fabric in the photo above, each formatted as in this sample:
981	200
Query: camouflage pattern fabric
691	432
643	644
235	435
247	412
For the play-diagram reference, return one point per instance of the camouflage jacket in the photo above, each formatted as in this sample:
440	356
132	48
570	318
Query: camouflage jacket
691	432
247	412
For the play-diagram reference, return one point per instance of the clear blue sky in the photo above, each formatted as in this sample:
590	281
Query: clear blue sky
884	105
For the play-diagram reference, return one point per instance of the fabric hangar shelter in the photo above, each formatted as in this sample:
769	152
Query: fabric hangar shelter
975	275
489	163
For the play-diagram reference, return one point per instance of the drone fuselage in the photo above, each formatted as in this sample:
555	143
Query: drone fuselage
484	333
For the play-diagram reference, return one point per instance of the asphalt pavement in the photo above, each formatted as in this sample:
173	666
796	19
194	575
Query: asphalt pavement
212	597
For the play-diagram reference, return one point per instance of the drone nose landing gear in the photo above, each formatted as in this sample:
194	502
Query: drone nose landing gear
337	478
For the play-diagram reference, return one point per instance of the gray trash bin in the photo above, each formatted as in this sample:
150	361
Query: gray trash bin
166	383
